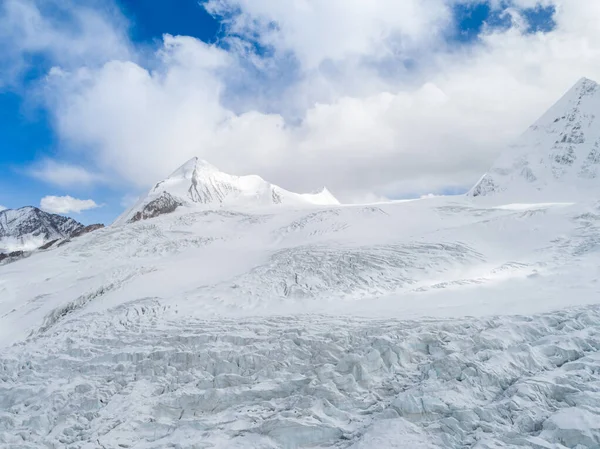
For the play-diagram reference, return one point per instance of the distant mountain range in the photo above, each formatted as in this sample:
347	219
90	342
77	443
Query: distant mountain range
28	228
557	156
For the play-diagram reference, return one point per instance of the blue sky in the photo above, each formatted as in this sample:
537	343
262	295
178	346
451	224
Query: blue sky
29	130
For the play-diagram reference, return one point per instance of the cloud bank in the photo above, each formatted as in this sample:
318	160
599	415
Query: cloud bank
66	204
369	98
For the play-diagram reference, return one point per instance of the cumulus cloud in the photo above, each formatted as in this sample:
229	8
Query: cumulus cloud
370	99
63	174
66	204
66	32
317	30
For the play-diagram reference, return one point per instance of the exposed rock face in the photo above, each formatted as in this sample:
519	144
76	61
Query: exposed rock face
62	242
86	230
28	228
48	245
12	256
164	204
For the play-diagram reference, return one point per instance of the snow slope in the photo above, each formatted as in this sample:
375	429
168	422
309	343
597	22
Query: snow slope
333	327
201	185
557	157
28	228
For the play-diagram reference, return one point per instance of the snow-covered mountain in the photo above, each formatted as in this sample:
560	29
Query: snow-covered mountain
202	185
559	156
28	228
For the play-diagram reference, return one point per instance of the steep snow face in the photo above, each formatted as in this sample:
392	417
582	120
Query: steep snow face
559	156
200	184
29	228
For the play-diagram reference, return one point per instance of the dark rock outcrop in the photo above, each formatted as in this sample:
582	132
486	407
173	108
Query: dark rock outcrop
49	244
12	256
164	204
86	230
64	242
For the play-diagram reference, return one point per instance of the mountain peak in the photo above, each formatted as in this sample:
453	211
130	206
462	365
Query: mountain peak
197	183
560	152
28	228
586	82
195	164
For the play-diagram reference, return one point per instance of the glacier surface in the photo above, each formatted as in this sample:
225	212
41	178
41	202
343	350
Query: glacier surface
436	323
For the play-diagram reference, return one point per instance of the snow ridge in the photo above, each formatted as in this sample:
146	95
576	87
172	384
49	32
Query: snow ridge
558	155
200	184
29	228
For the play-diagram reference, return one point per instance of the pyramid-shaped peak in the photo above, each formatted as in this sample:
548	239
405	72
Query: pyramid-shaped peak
557	155
585	86
586	81
197	183
204	165
194	165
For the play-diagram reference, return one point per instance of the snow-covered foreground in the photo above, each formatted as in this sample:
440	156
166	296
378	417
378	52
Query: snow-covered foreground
340	326
141	376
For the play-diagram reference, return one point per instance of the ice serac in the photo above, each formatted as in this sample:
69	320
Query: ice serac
199	184
559	154
28	228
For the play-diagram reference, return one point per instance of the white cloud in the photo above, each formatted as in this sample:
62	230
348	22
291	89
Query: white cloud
63	174
378	104
2	207
66	204
319	30
67	32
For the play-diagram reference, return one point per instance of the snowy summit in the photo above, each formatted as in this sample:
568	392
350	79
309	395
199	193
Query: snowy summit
558	156
201	185
28	228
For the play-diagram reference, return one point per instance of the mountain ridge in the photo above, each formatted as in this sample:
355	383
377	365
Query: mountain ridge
29	227
200	184
559	152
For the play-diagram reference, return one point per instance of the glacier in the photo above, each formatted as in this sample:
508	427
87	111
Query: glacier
223	311
408	324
